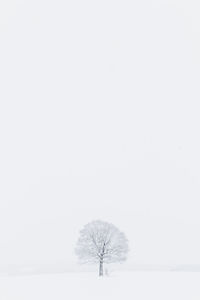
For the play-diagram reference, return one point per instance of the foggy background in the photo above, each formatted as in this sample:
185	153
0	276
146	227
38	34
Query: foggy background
99	119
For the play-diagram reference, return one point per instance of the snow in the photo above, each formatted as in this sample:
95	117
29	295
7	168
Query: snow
122	285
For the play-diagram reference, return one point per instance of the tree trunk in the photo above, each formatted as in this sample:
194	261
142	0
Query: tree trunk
101	268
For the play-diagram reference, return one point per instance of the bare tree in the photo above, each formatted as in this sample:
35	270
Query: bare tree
101	242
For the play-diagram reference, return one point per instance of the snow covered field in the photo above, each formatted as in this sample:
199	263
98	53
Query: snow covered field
123	286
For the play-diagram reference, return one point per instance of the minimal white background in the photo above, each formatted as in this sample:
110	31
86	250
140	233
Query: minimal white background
99	119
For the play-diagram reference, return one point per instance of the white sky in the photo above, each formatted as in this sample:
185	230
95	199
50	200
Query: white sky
99	119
